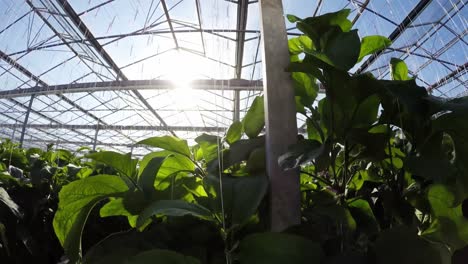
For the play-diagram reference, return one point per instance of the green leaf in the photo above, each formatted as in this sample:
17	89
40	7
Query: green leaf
450	227
210	146
173	208
373	44
367	112
399	70
174	163
256	161
116	207
121	162
254	120
364	216
161	256
343	49
402	245
84	172
10	204
148	175
76	200
169	143
336	214
277	248
241	150
234	132
117	248
300	153
293	18
300	44
360	177
305	87
241	195
307	68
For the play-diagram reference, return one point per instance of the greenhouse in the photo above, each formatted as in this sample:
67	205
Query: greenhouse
234	131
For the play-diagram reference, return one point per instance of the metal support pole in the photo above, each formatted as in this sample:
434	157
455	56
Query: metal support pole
25	122
236	114
95	138
280	116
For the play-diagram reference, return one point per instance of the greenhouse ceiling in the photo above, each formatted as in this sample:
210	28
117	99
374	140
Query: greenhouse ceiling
110	73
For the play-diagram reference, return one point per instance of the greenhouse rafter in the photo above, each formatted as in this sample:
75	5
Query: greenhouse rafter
413	14
214	85
97	46
85	47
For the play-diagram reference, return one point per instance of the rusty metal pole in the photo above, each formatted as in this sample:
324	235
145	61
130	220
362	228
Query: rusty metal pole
280	116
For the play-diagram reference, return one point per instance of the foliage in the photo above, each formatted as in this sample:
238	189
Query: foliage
383	168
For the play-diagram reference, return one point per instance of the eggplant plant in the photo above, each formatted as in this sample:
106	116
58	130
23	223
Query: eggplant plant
29	184
384	173
383	168
220	182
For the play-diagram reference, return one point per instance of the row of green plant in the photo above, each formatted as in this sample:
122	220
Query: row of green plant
383	170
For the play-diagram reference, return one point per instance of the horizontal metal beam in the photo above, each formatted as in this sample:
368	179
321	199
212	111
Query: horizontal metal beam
126	128
134	85
412	15
449	77
116	128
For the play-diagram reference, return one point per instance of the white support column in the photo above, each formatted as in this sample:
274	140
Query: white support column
95	137
25	122
280	116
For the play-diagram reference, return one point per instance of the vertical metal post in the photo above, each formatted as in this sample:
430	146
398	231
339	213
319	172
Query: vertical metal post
95	137
236	114
280	116
25	122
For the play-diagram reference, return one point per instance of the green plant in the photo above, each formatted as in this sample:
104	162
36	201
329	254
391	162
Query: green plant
29	184
220	181
384	165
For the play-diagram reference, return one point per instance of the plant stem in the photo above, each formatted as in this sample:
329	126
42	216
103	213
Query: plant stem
327	182
345	173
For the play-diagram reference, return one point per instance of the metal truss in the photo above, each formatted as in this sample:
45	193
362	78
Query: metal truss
117	128
107	81
134	85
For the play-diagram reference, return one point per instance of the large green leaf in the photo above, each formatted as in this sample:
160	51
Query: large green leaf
367	112
306	68
402	245
450	227
148	175
241	195
316	27
241	150
210	146
254	120
300	44
256	161
372	44
169	143
305	87
10	204
116	207
117	248
173	208
343	49
455	125
161	256
300	153
364	216
277	248
121	162
76	200
234	132
399	70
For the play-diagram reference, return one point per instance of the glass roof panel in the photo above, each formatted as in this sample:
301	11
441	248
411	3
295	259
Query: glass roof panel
105	43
